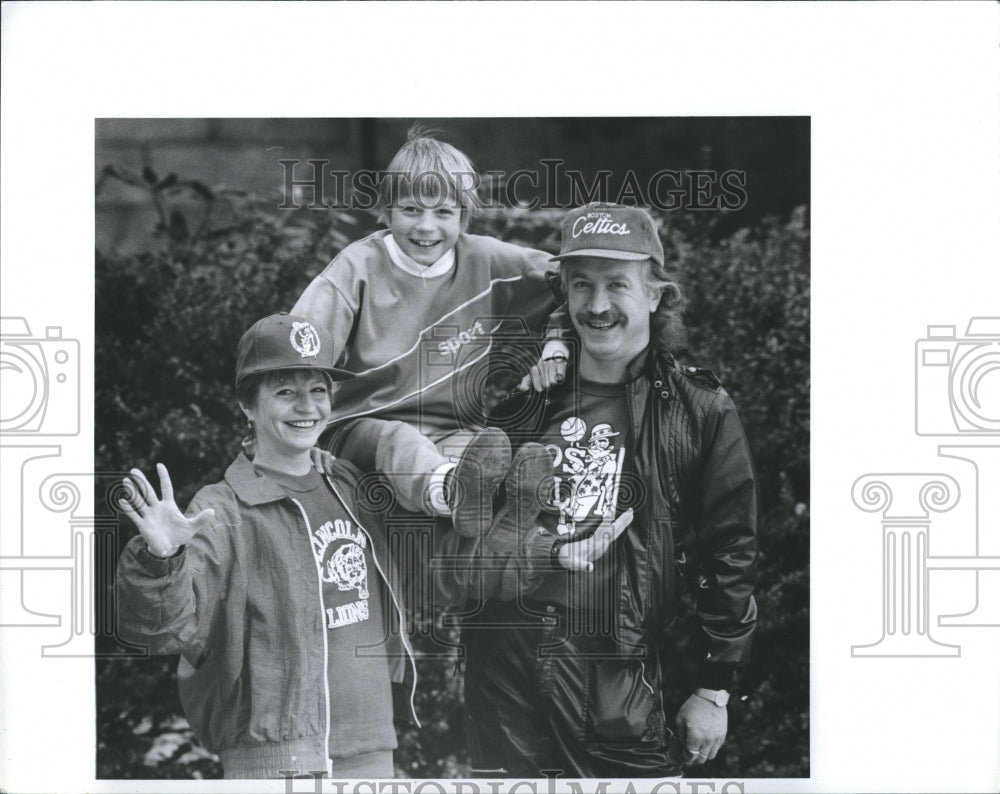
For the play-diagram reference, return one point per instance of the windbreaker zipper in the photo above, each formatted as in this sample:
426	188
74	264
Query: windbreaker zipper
395	601
326	646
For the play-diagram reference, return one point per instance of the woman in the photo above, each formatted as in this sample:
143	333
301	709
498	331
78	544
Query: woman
275	587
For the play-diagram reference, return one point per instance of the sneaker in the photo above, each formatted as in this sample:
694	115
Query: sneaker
529	487
474	480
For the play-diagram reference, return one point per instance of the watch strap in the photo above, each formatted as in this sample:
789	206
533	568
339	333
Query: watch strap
720	697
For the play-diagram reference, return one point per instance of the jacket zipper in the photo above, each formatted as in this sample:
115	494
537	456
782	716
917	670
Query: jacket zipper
399	610
642	675
326	646
630	396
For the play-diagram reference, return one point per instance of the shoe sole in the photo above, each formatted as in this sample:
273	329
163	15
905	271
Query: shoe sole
480	470
529	486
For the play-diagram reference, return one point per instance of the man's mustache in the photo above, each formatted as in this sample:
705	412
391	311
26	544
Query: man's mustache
603	317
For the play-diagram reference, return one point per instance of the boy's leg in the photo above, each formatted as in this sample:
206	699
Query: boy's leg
399	451
528	488
482	460
471	464
528	482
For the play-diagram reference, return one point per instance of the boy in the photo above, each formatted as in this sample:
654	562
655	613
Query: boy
420	305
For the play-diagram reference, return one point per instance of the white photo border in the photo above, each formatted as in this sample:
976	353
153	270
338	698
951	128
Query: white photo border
905	202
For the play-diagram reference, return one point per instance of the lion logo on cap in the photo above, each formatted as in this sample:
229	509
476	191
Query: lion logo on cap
304	339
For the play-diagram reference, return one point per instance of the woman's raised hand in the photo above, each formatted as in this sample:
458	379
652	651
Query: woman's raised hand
164	528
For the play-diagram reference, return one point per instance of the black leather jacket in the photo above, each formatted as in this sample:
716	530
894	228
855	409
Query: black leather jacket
697	520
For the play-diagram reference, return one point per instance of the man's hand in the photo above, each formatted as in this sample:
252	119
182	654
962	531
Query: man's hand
544	374
164	528
701	729
580	555
322	460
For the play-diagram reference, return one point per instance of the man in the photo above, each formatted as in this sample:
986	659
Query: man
567	676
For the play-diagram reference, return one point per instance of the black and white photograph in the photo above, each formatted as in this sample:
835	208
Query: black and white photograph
524	331
499	397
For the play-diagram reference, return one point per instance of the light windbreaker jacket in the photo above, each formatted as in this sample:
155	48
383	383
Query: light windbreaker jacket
242	604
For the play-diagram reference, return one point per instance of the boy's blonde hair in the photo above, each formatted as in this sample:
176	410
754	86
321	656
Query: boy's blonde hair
432	170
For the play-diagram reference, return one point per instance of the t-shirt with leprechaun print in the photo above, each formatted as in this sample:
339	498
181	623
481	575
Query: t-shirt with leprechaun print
588	434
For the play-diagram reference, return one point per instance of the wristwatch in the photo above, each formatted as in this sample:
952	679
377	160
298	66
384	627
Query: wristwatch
720	697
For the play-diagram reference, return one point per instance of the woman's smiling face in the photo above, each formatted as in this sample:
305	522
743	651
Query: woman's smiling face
291	411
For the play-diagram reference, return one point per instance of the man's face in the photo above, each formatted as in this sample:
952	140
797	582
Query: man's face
609	305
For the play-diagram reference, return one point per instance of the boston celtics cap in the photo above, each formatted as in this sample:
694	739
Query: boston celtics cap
286	341
610	231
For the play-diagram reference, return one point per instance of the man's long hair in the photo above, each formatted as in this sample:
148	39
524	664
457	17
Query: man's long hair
667	332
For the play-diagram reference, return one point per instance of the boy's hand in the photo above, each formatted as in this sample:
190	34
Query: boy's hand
580	555
322	460
545	374
164	528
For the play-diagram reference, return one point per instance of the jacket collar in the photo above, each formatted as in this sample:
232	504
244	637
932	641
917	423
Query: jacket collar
251	487
650	363
639	365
